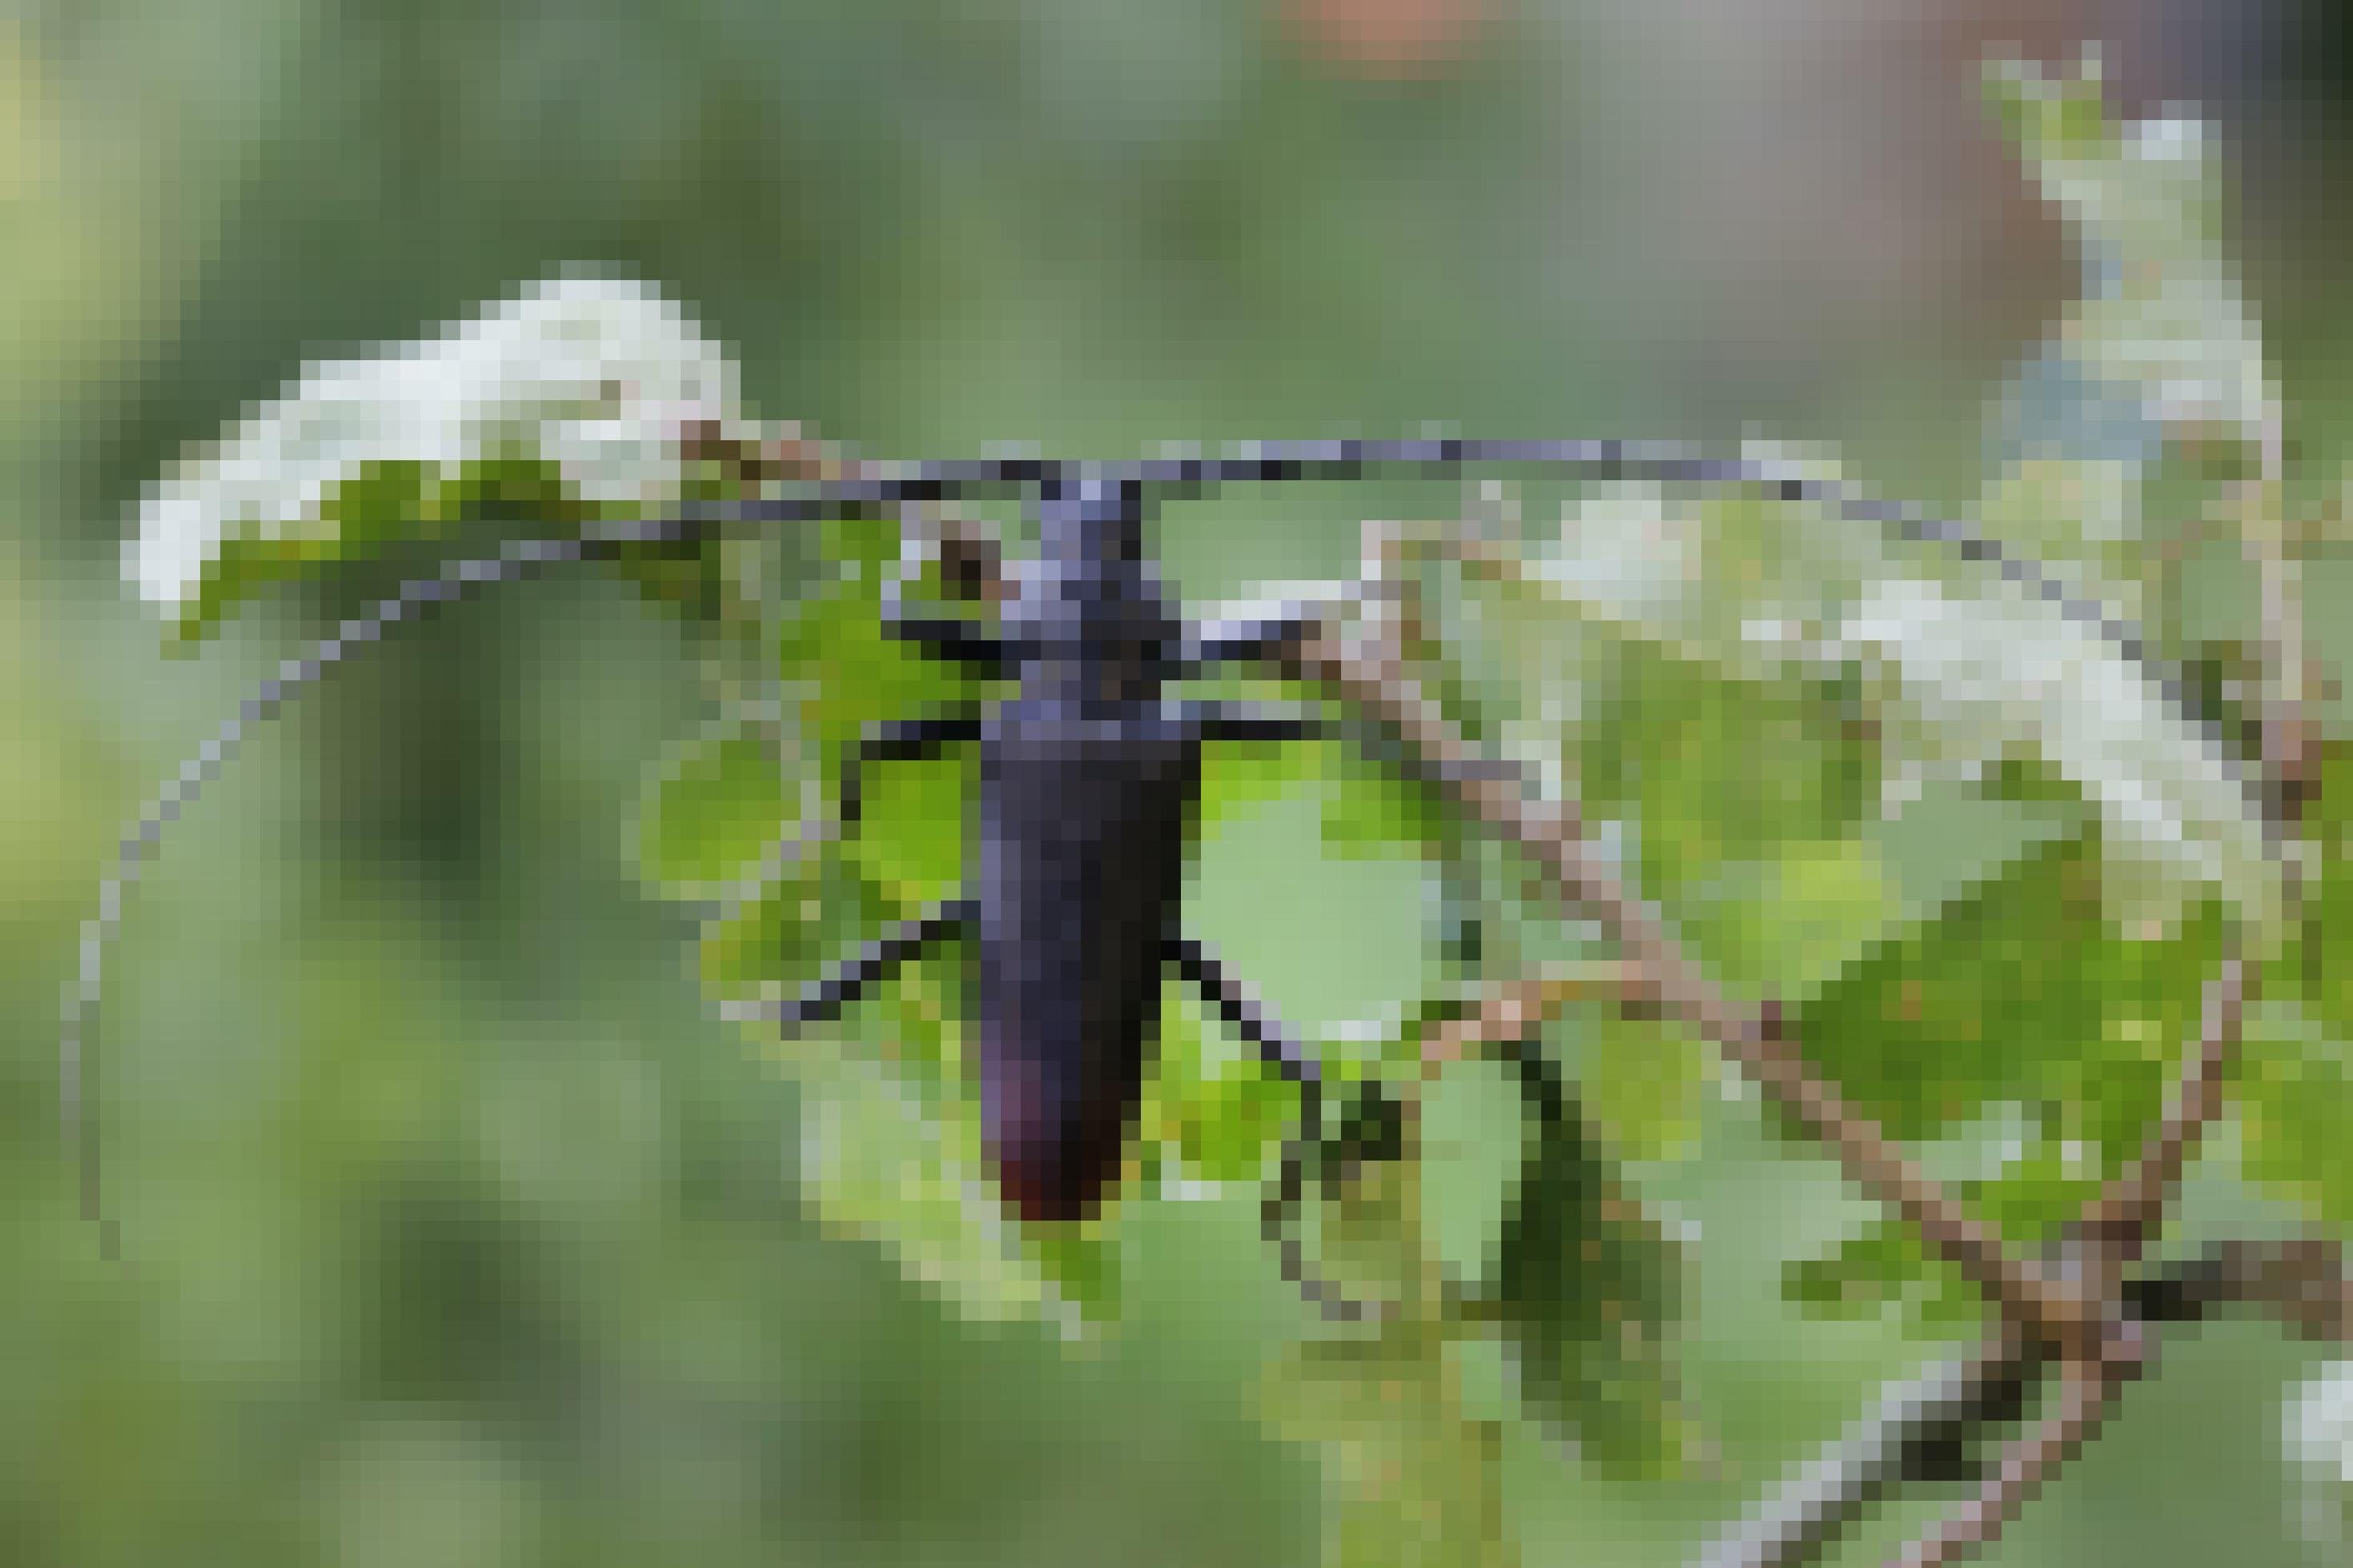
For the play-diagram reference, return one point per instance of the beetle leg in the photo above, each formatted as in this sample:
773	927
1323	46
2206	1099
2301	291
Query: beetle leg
1207	644
824	999
1255	721
1200	969
1248	721
1232	1002
902	741
950	637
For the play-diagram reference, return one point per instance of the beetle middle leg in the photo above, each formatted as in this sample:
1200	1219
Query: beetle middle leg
1249	722
1244	639
902	741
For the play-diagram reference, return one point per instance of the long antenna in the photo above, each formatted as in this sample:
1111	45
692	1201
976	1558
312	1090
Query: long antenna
899	486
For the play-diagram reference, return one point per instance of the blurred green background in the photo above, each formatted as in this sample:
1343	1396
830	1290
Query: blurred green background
455	1231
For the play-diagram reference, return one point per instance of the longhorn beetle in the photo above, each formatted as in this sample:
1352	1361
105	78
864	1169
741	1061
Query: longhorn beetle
1089	775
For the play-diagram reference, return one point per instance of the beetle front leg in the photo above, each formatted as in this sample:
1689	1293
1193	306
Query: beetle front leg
1248	722
902	741
1238	640
825	999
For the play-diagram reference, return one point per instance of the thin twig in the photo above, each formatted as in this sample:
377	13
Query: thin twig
2064	1315
2121	1219
2086	1394
1369	672
1933	1413
2117	1225
2302	1283
971	555
1920	1421
1511	1011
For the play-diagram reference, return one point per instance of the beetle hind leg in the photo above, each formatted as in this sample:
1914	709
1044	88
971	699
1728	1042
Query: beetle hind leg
1232	1002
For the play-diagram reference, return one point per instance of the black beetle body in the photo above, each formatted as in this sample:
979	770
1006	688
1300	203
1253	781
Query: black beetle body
1081	868
1089	779
1086	789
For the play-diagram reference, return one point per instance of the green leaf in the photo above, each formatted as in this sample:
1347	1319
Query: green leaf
1953	835
914	835
379	515
1644	1081
2023	991
834	649
2026	1179
884	1166
1211	1099
1474	1138
1239	777
1719	771
816	907
1787	924
1371	812
2294	1098
720	803
1587	1284
1362	1232
1411	1479
891	1119
1881	1267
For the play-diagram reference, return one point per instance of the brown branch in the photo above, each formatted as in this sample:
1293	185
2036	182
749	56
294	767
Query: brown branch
1369	672
2302	1283
2065	1314
2075	1313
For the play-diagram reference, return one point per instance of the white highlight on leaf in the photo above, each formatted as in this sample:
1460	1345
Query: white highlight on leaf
2321	1420
594	374
1767	590
2317	1433
2003	669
